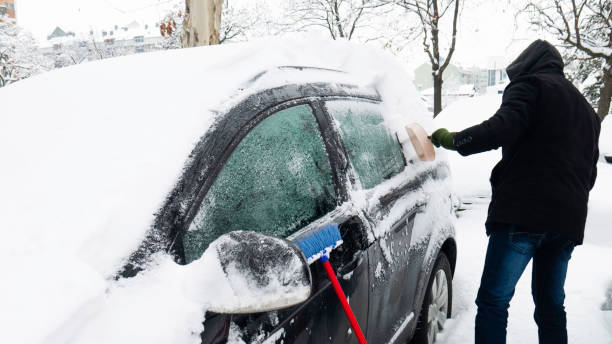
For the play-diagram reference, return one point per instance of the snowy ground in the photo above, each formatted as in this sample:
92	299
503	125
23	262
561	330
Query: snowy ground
589	280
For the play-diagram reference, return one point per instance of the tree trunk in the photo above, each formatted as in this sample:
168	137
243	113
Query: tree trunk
605	93
202	22
437	92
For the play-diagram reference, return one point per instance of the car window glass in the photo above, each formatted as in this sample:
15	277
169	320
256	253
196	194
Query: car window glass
277	180
373	151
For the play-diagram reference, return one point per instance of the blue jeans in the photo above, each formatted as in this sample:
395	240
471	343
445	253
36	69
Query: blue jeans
507	256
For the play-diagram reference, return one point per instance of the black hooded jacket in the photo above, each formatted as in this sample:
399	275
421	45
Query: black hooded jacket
548	133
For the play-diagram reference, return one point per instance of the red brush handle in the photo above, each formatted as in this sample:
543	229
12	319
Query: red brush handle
345	305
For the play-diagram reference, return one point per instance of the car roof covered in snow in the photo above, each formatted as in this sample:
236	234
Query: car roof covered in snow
89	152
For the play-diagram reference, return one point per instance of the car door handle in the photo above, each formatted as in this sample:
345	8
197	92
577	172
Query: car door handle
352	265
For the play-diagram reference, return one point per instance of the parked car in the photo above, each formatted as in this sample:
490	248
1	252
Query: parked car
306	148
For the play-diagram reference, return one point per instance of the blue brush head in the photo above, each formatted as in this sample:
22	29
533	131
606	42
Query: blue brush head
318	243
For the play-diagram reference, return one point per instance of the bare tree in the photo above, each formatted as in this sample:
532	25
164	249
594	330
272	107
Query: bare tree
584	25
20	57
430	14
240	19
341	18
202	22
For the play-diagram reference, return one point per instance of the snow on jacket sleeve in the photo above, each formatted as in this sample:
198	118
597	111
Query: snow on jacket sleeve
509	124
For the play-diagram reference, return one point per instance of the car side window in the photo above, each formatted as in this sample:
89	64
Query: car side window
373	151
277	180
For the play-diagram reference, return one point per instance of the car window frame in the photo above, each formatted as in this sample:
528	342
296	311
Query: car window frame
334	145
337	133
214	147
254	123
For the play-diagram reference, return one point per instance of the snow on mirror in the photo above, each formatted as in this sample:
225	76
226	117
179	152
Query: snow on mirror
264	273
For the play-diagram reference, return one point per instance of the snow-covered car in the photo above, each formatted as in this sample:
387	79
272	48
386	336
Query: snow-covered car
123	172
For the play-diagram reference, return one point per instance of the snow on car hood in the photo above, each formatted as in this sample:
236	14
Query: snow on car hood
90	152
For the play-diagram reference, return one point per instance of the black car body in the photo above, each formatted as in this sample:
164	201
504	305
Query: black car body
395	221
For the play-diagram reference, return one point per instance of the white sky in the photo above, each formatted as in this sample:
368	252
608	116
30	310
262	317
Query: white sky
490	34
487	28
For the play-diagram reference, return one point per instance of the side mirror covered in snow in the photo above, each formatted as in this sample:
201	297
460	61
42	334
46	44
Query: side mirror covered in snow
260	273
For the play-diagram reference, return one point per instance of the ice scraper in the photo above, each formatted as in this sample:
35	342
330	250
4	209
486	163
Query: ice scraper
421	143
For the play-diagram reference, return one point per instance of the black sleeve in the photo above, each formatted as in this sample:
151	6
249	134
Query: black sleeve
509	123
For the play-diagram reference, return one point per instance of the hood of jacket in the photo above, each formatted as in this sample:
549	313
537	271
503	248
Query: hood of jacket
539	56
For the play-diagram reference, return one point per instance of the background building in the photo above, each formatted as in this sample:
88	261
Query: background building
491	74
67	48
462	82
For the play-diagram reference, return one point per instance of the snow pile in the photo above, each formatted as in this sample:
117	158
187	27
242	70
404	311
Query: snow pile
89	153
160	305
605	137
599	216
182	294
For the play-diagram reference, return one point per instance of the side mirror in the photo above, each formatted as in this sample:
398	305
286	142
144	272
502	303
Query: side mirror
255	273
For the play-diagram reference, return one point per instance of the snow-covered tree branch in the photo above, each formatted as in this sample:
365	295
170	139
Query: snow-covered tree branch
584	26
19	55
341	18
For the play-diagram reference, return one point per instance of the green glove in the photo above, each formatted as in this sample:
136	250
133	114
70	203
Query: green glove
442	137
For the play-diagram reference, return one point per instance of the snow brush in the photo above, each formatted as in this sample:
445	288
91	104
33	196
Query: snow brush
317	246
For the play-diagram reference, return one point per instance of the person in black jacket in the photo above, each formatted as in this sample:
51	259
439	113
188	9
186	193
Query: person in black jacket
548	133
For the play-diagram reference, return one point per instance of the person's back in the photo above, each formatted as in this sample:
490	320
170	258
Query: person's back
548	133
563	157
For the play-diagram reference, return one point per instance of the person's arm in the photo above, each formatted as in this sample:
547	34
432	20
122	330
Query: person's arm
511	121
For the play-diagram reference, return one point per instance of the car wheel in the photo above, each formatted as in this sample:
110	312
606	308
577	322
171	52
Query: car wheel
437	303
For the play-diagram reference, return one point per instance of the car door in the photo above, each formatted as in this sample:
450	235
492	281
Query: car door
392	205
282	180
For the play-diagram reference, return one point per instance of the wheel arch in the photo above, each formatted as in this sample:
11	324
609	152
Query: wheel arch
450	250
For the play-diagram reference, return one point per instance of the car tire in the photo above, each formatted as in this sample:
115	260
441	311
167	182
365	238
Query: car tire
608	158
437	303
